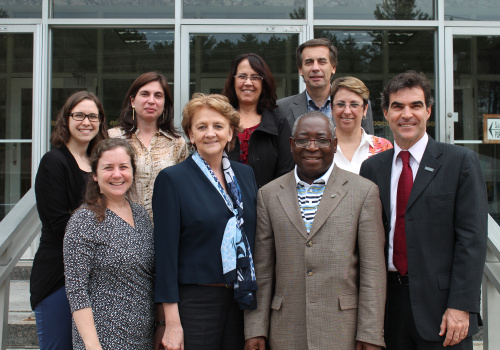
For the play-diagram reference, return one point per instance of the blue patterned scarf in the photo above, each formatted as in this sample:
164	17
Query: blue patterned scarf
237	261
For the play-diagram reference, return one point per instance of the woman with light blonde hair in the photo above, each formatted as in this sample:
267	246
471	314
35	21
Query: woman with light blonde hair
204	228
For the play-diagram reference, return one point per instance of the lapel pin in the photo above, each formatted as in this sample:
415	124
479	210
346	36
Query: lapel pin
429	169
333	195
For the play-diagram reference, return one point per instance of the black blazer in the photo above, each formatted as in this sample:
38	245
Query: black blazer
59	188
446	231
269	152
189	221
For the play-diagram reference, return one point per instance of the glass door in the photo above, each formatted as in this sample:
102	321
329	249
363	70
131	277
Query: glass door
207	53
473	100
16	114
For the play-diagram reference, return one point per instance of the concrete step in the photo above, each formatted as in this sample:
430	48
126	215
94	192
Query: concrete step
22	327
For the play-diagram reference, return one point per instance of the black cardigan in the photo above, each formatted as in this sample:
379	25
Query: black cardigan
269	152
59	188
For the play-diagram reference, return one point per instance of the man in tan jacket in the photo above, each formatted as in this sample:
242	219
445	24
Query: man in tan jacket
319	252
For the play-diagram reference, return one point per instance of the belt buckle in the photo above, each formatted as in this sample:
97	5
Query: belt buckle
403	280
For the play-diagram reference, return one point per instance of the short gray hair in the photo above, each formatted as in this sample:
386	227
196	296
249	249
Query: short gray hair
311	114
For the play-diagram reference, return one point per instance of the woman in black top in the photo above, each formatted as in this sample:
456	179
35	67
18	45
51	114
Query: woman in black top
263	144
59	186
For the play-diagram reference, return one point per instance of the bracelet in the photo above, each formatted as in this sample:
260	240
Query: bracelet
159	323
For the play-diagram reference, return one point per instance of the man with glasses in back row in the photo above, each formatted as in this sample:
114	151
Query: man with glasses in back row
317	63
319	252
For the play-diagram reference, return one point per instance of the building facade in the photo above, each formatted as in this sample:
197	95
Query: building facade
52	48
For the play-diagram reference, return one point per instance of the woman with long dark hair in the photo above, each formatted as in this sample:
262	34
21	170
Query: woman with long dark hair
147	122
263	141
59	186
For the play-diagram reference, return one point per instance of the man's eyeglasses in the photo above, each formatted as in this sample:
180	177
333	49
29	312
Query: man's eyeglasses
353	106
320	143
253	78
79	117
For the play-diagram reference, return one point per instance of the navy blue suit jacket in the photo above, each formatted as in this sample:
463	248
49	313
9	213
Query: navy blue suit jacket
446	231
190	216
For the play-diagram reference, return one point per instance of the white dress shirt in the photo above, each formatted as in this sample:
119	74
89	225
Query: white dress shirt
416	154
359	156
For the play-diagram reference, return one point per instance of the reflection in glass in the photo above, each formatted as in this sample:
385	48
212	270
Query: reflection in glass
106	62
379	9
212	54
113	9
477	92
15	174
477	10
376	56
266	9
21	9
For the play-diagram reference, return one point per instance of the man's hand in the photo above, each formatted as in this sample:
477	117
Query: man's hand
456	326
257	343
366	346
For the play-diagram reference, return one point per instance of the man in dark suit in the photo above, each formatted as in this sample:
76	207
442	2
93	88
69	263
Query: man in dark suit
317	62
435	215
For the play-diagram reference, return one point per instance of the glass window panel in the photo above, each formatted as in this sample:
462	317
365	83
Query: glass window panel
376	56
16	113
212	54
380	9
477	10
20	8
266	9
113	9
477	92
15	174
106	62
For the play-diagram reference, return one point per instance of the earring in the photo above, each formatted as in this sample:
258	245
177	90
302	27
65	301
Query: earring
133	112
364	117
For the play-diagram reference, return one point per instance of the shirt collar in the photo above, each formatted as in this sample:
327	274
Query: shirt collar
160	132
324	178
416	151
309	100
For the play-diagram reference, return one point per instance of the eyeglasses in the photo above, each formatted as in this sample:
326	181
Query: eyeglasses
320	143
79	117
353	106
253	78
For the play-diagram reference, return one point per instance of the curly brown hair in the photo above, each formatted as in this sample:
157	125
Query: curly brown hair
60	135
93	197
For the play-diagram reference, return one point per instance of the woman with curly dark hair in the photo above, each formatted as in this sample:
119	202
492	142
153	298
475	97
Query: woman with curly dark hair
59	187
147	122
263	144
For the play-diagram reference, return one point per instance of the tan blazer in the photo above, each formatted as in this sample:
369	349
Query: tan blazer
329	286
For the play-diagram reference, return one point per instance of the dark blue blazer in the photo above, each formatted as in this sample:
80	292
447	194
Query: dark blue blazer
190	216
446	231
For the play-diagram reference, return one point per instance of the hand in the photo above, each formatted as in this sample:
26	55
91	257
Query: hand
257	343
159	332
456	326
173	337
366	346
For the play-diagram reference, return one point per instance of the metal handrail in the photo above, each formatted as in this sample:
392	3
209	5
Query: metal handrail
491	288
17	230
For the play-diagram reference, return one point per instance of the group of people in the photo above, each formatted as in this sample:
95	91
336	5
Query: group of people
152	242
